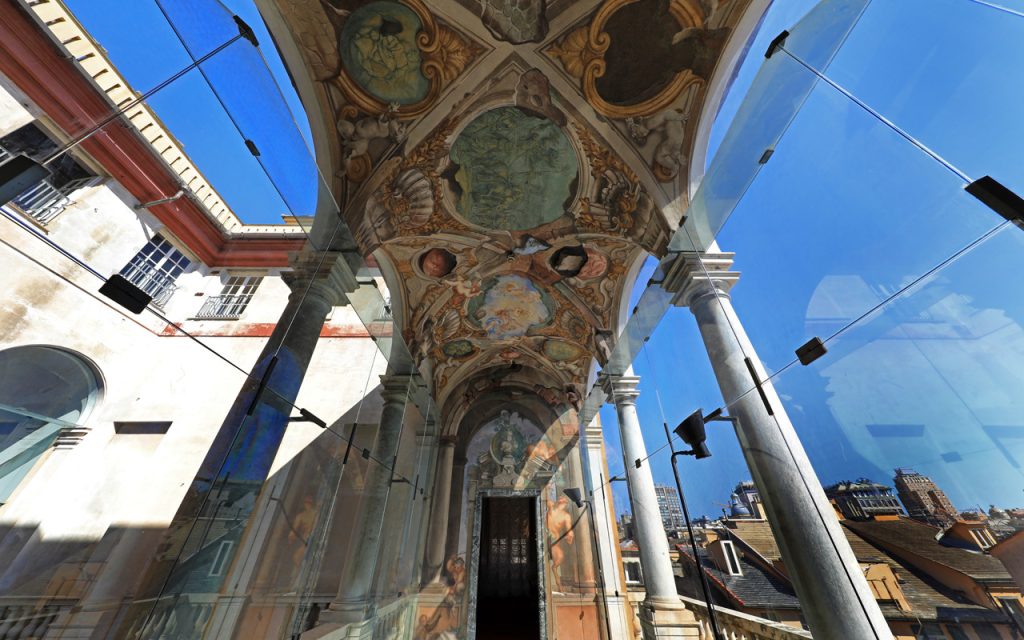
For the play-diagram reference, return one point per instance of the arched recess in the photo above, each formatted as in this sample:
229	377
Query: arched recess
44	391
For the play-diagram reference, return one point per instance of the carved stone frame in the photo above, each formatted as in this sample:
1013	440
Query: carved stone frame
474	566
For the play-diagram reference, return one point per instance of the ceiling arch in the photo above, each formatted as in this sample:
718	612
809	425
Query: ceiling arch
511	164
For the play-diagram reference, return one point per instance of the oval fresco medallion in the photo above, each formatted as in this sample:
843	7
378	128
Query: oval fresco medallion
561	351
511	170
458	348
378	48
509	306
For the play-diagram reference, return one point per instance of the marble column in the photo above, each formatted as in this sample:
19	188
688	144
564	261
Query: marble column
440	502
238	460
834	596
353	601
662	614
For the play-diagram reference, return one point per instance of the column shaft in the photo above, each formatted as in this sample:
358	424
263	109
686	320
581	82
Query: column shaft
239	459
834	595
440	502
350	605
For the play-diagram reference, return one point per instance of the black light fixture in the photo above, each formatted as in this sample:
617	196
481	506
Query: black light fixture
575	495
692	432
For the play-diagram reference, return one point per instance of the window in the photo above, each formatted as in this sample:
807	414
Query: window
731	559
956	632
981	538
233	299
155	268
46	394
221	557
45	200
1014	609
633	573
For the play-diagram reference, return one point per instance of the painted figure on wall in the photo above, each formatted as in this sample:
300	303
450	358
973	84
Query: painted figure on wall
561	533
509	307
443	623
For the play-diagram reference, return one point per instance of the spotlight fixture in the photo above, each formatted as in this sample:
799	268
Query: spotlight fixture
691	431
575	495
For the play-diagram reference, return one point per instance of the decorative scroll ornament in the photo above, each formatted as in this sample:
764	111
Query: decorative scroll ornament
582	51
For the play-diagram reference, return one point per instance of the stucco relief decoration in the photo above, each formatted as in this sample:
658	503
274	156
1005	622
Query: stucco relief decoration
381	63
515	21
634	60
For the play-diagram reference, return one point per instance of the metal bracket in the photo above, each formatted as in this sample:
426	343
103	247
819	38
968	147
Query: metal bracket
759	386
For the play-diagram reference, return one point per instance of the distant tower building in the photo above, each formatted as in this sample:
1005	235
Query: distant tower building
745	498
923	499
863	499
671	508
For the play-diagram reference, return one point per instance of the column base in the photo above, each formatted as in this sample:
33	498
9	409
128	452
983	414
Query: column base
667	619
345	613
335	631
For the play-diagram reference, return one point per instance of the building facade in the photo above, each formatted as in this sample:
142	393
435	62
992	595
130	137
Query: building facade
670	507
923	499
864	499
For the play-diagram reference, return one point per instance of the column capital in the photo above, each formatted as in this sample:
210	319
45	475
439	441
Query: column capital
395	387
448	441
323	274
691	275
620	389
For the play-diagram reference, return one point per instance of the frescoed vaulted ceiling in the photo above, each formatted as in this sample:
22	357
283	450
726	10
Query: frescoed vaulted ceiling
511	162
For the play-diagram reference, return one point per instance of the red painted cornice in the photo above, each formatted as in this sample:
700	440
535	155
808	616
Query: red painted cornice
32	62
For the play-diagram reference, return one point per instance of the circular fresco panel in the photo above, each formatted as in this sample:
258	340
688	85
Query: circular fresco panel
513	170
378	48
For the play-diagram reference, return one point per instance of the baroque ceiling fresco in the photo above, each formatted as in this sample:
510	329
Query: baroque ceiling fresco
510	162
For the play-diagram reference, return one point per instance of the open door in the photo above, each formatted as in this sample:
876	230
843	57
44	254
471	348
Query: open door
508	593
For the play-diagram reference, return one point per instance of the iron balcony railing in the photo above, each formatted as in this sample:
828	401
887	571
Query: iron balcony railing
224	307
157	284
42	202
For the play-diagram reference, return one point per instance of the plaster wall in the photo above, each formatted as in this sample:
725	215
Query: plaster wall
71	519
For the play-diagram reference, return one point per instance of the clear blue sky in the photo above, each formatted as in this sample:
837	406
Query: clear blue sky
845	213
146	50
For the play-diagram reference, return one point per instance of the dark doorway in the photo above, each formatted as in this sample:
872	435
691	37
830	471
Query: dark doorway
507	601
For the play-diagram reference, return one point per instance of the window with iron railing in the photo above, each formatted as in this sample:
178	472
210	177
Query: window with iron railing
233	299
155	269
46	199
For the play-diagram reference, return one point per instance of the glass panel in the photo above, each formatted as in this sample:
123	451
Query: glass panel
832	248
773	100
960	90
